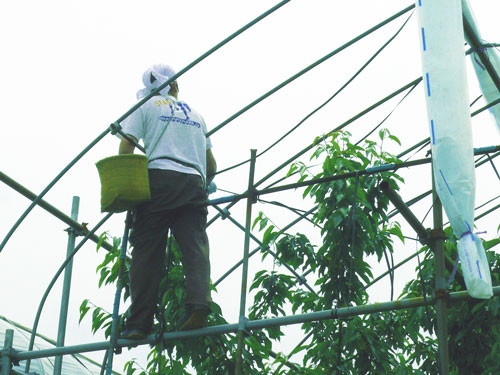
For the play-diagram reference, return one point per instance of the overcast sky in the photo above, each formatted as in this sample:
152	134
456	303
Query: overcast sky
70	68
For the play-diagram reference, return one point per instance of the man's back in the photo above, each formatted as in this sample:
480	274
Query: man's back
173	134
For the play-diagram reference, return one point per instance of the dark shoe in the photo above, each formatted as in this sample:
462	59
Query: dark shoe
134	334
194	319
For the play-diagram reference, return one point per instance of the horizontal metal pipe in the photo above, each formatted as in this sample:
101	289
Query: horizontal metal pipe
342	312
368	171
427	193
427	140
51	209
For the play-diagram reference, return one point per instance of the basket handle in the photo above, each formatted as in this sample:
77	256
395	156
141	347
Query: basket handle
161	135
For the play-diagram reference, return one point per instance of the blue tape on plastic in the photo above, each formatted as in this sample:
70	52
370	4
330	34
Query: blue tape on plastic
479	270
423	39
432	133
468	226
477	61
453	272
428	84
467	233
419	3
444	179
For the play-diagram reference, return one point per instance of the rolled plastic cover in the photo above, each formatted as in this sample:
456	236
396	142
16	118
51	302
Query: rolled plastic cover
486	84
444	74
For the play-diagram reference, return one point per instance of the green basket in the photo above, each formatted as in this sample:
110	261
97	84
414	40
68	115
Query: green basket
124	182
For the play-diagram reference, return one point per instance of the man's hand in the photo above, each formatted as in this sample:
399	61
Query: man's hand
127	147
211	188
211	166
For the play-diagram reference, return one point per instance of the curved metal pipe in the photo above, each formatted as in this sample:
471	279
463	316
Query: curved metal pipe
49	186
115	127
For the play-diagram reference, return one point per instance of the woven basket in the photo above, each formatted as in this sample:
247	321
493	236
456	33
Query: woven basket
124	182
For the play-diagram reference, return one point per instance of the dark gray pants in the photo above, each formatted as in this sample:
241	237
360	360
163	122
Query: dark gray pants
177	203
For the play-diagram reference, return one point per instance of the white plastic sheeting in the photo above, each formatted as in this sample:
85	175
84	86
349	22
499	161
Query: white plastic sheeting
488	88
444	75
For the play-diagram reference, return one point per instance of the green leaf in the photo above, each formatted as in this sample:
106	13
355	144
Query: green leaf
268	236
257	219
83	309
395	139
396	230
491	243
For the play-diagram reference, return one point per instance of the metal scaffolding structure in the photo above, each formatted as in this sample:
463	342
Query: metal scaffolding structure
433	238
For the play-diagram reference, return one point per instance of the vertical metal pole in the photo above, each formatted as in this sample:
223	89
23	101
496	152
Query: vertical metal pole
244	277
119	287
63	314
7	348
437	236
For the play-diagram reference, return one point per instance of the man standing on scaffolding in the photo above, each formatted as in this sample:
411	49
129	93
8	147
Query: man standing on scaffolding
180	165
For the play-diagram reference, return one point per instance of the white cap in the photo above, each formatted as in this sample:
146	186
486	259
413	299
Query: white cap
161	73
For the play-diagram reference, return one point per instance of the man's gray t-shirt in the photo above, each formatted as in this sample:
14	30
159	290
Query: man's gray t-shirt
183	144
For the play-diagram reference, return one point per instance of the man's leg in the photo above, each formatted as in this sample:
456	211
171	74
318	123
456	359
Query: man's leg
149	238
190	232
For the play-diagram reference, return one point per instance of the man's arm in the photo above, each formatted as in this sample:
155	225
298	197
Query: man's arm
211	166
127	147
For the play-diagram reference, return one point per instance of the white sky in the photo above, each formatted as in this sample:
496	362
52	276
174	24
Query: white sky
69	69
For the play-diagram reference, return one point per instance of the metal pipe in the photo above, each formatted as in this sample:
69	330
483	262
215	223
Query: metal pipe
437	236
427	140
478	151
487	212
63	314
267	249
364	172
367	171
118	293
49	186
313	65
483	56
115	126
352	119
285	228
293	351
51	209
416	225
53	281
235	198
403	209
378	169
343	125
7	351
404	261
244	272
489	105
338	313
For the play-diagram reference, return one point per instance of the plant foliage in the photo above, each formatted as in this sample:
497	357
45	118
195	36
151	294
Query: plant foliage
354	225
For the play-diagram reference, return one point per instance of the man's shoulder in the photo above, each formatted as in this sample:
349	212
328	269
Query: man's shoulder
158	101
